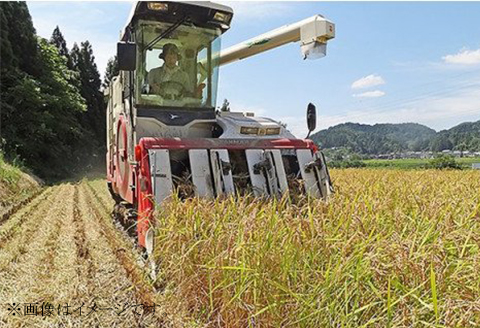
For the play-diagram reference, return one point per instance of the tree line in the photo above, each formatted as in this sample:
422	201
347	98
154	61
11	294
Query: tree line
52	108
392	138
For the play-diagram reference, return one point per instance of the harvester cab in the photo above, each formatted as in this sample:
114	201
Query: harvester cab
164	134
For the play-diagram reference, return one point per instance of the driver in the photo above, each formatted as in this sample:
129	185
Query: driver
169	71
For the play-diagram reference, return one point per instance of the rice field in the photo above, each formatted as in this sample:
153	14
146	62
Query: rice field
391	249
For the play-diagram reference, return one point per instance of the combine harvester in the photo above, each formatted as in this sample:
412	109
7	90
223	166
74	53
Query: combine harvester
162	126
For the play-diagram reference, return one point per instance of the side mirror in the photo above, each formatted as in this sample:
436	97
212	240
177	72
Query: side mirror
127	56
311	118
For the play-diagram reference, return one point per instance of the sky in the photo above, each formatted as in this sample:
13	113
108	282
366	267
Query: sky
390	62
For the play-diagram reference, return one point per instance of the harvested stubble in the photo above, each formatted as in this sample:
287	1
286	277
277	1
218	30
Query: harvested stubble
391	249
61	250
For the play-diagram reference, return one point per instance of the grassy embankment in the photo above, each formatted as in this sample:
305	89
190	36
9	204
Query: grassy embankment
15	185
414	163
391	249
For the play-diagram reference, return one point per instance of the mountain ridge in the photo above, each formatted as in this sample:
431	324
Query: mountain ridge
396	137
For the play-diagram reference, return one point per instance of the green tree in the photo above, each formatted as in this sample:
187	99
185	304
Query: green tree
40	106
441	142
462	146
75	56
18	39
111	71
83	62
58	41
19	60
43	128
443	162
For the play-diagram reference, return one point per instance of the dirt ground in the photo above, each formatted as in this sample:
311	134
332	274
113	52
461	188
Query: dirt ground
64	263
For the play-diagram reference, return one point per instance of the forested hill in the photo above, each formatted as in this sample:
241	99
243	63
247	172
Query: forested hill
387	138
52	115
465	136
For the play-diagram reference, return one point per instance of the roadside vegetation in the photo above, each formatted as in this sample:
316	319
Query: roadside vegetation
391	249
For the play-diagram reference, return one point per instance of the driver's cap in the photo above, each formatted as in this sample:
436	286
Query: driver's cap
170	47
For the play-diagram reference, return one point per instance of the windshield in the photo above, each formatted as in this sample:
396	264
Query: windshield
180	70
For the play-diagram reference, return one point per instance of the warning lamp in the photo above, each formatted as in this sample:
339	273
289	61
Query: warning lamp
222	17
248	130
158	6
138	153
272	131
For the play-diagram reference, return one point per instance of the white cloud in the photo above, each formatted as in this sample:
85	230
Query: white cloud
368	81
370	94
464	57
440	112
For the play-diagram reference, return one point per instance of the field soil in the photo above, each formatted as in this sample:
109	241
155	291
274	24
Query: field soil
64	263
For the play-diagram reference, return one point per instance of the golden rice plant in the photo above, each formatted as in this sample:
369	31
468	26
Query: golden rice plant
390	249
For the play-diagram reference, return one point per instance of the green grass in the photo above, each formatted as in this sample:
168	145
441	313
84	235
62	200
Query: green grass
414	163
392	248
15	185
9	174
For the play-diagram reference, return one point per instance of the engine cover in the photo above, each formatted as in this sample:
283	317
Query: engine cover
234	123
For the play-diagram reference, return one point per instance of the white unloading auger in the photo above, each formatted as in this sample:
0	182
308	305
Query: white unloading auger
313	34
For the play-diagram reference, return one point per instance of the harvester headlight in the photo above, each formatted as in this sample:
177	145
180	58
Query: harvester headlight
247	130
272	131
222	17
158	6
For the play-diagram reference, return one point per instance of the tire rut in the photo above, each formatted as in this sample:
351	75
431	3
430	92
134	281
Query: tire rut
143	291
174	315
102	197
104	278
80	239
